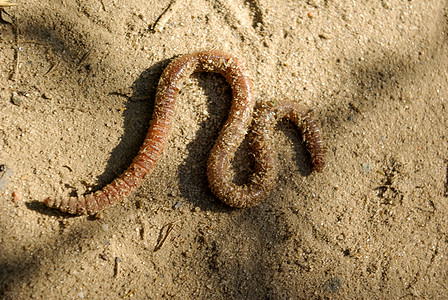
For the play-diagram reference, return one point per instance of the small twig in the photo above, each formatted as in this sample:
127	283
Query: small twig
55	63
6	3
118	260
130	294
169	228
16	66
84	57
104	6
51	68
167	14
445	192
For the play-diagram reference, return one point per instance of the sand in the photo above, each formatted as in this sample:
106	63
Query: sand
77	85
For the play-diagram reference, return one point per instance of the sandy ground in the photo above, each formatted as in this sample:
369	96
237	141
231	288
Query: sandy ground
77	84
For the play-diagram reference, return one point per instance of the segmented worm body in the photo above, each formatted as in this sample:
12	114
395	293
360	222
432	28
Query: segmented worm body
230	137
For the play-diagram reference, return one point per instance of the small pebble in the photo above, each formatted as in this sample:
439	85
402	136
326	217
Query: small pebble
177	205
5	173
367	167
16	197
46	96
6	17
16	98
333	285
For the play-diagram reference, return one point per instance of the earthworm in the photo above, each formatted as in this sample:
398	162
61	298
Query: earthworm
265	158
230	137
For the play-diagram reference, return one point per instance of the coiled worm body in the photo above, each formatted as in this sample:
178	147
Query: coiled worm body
230	137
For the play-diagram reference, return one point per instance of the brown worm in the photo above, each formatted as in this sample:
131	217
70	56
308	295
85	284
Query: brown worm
231	136
265	158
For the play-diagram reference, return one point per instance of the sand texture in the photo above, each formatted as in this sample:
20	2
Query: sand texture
77	87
